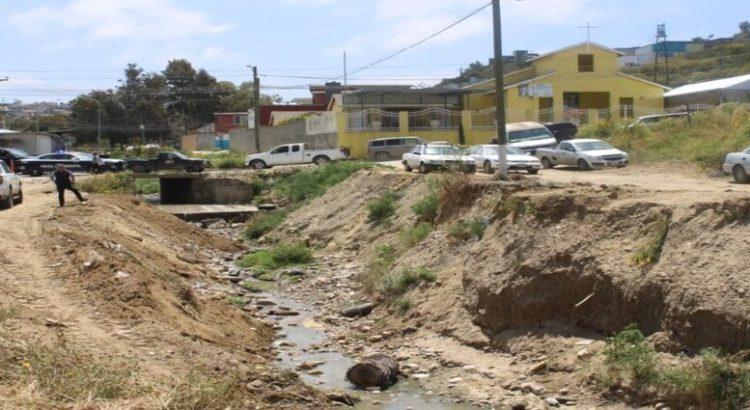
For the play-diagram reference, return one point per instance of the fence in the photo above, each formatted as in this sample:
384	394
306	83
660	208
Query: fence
434	119
372	119
484	120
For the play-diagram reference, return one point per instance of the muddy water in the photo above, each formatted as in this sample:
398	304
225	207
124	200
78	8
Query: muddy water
298	339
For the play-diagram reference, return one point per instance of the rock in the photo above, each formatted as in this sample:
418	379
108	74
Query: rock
660	406
341	397
213	223
310	364
255	385
267	207
294	272
408	330
265	302
376	338
583	354
122	275
188	259
358	310
53	323
538	368
552	401
532	388
563	392
420	375
518	403
455	380
94	260
287	313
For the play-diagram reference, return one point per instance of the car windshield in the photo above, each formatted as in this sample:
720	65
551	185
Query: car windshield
442	150
492	149
18	152
180	155
529	135
592	146
84	156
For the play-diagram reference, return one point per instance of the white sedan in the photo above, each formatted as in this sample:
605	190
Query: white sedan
11	191
738	164
486	157
428	157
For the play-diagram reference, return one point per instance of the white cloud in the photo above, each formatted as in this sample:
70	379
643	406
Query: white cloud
119	19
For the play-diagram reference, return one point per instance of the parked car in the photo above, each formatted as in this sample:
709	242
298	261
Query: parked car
293	154
655	118
11	188
13	157
74	161
738	164
562	131
528	136
583	153
486	157
168	161
427	157
385	149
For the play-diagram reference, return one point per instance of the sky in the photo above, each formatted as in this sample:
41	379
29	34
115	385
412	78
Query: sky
53	50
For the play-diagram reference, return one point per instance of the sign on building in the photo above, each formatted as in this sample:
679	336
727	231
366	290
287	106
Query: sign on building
535	90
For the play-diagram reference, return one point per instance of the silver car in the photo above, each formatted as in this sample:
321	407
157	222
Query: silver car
586	154
11	189
486	157
738	164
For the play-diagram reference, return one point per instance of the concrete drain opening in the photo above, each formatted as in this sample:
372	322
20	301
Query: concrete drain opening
195	197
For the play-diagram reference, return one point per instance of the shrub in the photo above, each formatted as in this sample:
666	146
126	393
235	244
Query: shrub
263	223
278	257
378	267
629	356
111	183
198	391
401	282
465	230
402	305
650	252
225	159
311	183
412	236
427	208
382	208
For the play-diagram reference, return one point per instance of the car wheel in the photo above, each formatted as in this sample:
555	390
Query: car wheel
257	164
533	171
8	203
407	168
35	172
321	159
192	169
583	165
487	167
19	200
546	163
423	168
139	169
383	156
739	174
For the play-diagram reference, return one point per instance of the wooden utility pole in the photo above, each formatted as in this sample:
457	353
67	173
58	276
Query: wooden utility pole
502	141
256	97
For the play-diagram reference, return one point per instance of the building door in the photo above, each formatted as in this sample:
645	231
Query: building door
626	107
546	109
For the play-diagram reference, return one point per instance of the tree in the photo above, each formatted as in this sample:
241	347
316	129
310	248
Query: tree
744	29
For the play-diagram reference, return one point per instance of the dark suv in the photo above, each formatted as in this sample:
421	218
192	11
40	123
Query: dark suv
13	157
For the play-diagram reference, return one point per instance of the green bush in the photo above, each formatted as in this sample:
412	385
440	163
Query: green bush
629	356
311	183
397	284
111	183
382	208
650	252
278	257
402	305
427	208
263	223
411	236
465	230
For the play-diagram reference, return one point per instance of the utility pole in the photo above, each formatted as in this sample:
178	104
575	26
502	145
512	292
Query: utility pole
345	73
99	127
502	142
256	97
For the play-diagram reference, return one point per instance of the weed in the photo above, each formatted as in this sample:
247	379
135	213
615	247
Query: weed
186	294
629	356
515	206
465	230
650	252
378	267
412	236
382	208
263	223
235	300
427	208
397	284
225	159
309	184
7	314
111	183
402	305
278	257
198	391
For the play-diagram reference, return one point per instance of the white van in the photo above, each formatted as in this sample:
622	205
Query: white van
528	136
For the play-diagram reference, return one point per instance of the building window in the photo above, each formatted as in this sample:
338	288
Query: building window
585	63
240	120
626	107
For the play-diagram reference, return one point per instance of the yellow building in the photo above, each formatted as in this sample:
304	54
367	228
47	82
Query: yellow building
580	84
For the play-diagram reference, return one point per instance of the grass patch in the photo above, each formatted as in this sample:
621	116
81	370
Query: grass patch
650	252
710	381
311	183
397	284
402	306
111	183
412	236
380	210
7	314
263	223
378	267
465	230
225	159
236	300
705	140
278	257
197	391
427	208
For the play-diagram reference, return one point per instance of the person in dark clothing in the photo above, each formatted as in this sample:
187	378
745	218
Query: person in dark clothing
65	179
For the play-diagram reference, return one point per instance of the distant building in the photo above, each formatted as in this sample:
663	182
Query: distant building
35	143
732	89
636	56
227	121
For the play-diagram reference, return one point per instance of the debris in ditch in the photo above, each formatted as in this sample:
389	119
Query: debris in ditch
267	207
358	310
378	370
310	364
341	397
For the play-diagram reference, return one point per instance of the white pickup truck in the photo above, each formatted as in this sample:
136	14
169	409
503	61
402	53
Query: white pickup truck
292	154
10	187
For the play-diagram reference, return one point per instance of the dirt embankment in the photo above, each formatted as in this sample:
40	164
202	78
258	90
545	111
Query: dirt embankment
557	256
117	279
